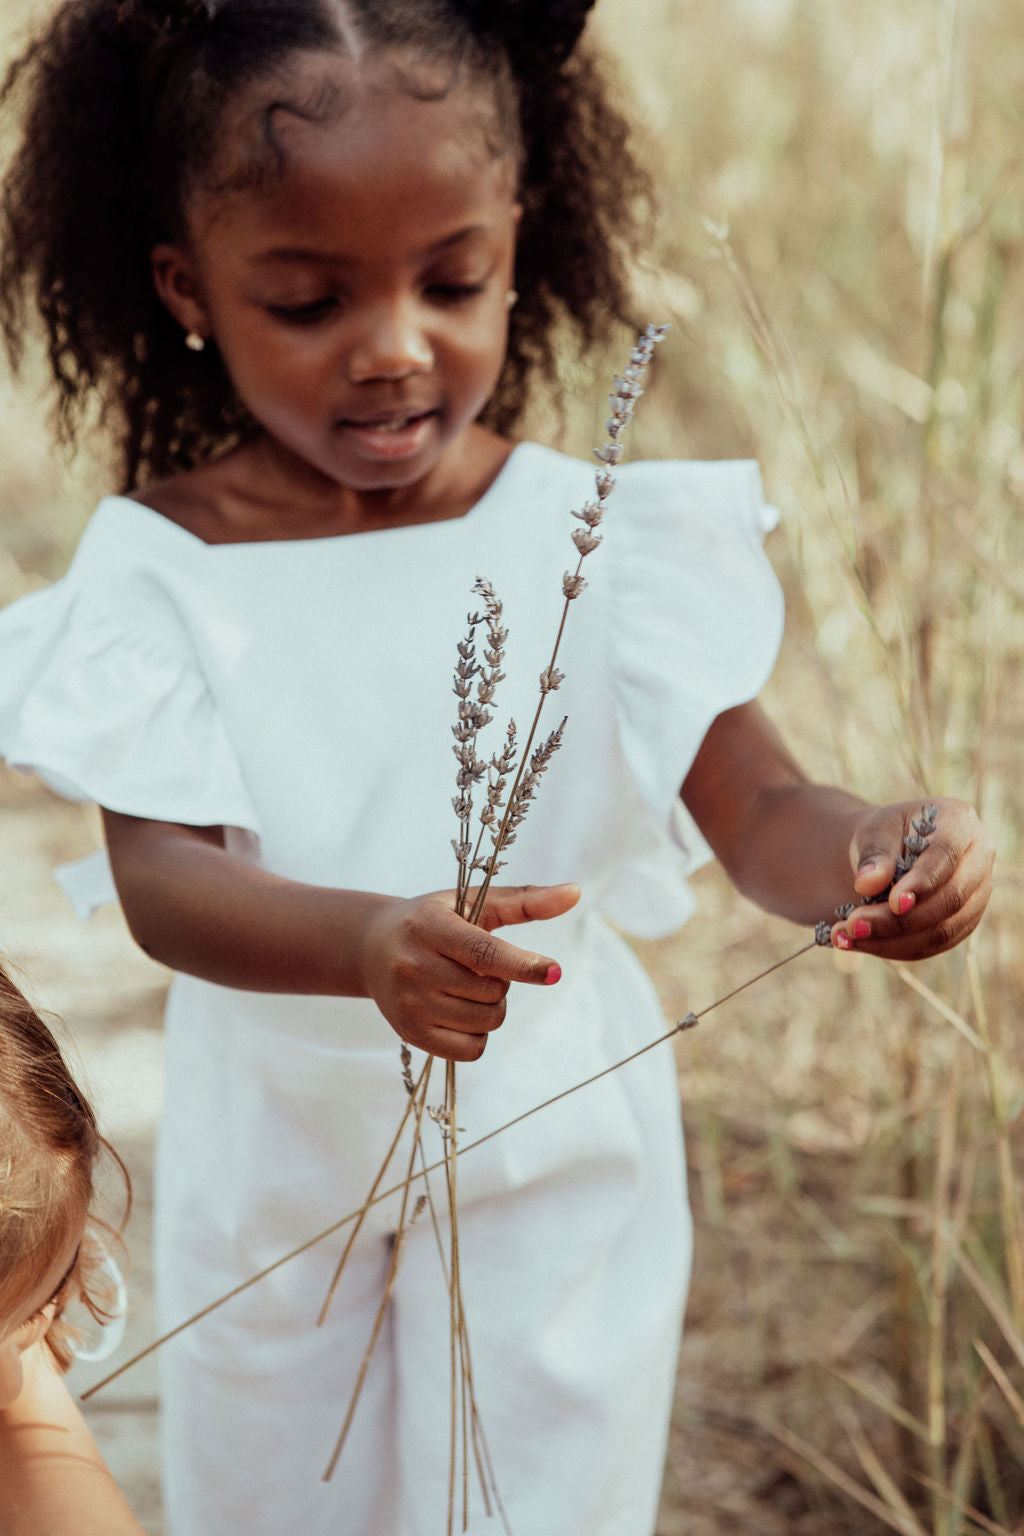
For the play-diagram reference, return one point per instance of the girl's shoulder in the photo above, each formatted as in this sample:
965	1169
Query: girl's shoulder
724	497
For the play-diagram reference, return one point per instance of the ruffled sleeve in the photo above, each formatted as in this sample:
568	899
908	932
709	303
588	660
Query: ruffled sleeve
696	621
102	695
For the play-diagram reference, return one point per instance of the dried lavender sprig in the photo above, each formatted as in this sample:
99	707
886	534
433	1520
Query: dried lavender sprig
501	766
914	844
628	389
497	635
519	804
472	717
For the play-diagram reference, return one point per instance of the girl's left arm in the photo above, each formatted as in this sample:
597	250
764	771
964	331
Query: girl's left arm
801	849
52	1476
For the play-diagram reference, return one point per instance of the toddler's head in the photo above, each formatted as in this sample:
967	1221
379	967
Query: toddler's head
49	1145
163	125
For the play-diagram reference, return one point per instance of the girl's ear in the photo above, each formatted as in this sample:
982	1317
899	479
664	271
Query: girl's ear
175	282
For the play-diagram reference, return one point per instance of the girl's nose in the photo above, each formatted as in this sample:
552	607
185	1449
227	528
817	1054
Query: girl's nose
390	344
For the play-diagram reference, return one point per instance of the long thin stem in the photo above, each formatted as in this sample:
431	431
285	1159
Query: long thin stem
450	1152
336	1226
418	1092
397	1246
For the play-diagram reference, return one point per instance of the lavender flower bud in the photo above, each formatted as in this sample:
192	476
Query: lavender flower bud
585	541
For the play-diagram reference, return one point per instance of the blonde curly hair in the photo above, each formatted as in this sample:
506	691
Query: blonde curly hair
49	1148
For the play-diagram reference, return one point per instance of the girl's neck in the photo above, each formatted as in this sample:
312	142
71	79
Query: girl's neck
260	492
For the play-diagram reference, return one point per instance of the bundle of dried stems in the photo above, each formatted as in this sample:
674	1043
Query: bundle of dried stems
475	685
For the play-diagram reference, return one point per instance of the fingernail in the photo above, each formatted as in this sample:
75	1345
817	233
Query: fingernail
907	901
554	974
861	929
842	939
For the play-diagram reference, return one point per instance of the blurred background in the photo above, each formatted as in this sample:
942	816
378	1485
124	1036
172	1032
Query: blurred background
841	260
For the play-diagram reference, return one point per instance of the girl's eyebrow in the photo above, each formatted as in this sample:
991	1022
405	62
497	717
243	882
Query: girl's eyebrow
297	253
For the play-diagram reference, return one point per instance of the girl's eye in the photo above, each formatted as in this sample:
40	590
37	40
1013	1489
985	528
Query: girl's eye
32	1322
303	314
453	293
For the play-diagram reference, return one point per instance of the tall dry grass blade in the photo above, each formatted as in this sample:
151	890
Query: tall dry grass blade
937	1301
940	1005
1000	1316
873	1468
990	1474
1002	1381
915	735
981	1520
841	1480
1011	1218
888	1406
963	1467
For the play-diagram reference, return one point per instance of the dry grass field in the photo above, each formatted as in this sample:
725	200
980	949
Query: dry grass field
843	231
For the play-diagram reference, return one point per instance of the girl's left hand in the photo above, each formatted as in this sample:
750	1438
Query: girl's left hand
938	902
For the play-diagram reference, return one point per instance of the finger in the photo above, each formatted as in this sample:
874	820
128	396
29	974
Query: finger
952	865
506	905
483	954
874	873
454	980
926	929
469	1018
449	1044
874	851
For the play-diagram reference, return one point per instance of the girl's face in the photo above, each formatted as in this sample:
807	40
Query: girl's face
359	295
30	1322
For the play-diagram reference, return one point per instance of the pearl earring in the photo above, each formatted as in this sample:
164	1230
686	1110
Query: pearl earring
511	298
195	342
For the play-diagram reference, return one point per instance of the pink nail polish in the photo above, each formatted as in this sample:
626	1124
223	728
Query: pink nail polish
554	974
861	929
907	901
842	939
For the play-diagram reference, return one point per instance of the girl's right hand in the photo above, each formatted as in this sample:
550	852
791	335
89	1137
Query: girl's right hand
440	981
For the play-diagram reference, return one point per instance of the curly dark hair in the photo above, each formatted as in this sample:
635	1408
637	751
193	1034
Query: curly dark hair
121	103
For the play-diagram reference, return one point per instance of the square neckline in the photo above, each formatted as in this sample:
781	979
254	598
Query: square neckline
498	484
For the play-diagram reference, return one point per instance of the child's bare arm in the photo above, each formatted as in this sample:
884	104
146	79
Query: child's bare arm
52	1477
801	849
439	982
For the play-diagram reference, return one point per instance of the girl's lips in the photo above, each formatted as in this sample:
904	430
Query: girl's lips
394	437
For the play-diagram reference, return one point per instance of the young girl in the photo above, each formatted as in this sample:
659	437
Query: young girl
308	254
52	1477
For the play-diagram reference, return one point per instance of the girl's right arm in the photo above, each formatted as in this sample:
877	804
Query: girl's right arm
439	981
53	1479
